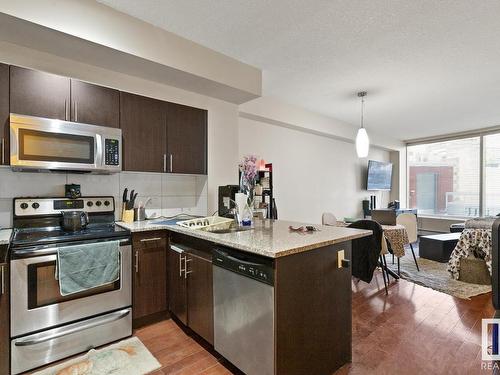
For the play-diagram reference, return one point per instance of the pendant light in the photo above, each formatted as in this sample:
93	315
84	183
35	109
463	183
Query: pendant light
362	140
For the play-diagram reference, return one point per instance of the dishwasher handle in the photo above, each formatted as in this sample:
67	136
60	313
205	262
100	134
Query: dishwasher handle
221	255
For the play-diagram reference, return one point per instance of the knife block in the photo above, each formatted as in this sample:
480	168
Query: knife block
127	216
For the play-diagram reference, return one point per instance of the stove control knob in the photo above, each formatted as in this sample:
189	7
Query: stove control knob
35	205
24	205
98	203
90	203
106	203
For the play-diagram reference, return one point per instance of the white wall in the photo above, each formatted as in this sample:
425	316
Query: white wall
130	44
316	170
312	173
222	116
170	194
277	112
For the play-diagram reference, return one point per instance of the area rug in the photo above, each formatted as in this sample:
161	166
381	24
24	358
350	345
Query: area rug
128	357
435	276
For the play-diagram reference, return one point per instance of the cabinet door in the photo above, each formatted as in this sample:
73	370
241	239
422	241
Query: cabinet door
143	123
150	275
40	94
177	297
4	319
4	115
186	139
200	296
93	104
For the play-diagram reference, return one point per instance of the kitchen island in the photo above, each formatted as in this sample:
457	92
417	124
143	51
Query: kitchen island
305	296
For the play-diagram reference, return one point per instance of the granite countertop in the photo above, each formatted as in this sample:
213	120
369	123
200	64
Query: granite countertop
270	238
5	236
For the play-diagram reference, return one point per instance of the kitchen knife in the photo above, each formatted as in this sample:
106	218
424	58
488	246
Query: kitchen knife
129	202
125	195
132	200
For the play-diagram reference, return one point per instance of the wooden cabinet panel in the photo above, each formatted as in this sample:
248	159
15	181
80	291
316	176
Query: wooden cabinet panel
143	124
4	115
4	319
200	296
313	311
177	291
150	274
96	105
40	94
186	139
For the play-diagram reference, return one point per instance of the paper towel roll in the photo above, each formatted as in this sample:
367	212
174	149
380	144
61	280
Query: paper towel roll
241	200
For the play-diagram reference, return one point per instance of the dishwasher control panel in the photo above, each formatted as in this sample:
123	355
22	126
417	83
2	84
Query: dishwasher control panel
256	267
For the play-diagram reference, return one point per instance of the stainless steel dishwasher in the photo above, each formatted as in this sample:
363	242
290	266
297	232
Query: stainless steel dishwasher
244	310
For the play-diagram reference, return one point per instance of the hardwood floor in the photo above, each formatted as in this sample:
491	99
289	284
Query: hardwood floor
413	330
179	353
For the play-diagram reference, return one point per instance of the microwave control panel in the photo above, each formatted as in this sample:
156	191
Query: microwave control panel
111	151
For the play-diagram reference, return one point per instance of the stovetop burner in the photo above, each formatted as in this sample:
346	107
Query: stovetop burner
37	221
45	235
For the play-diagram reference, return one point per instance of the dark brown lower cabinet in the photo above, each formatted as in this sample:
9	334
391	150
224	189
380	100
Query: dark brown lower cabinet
190	286
4	318
177	291
149	274
200	305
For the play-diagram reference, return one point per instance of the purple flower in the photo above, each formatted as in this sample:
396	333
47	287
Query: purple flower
248	169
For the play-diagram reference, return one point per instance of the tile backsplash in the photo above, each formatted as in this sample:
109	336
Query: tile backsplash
170	194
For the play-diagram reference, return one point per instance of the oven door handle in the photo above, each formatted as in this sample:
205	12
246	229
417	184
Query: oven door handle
31	253
39	338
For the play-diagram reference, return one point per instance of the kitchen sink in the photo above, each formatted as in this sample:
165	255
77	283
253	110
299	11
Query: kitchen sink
230	230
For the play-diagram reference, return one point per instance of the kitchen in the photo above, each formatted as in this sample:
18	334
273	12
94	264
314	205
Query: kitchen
181	139
166	270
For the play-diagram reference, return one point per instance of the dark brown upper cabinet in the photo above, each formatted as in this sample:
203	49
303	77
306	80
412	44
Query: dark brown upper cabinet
186	139
4	115
96	105
39	94
143	124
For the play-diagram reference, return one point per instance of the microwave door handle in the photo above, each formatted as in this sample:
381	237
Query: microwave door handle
98	158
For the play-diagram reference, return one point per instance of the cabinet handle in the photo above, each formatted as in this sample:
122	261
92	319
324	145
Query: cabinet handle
2	281
164	162
3	150
76	111
171	163
136	262
180	265
66	114
186	272
151	239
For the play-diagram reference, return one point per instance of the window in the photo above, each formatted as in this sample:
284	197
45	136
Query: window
491	174
444	177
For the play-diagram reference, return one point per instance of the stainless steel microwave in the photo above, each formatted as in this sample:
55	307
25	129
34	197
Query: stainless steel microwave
54	145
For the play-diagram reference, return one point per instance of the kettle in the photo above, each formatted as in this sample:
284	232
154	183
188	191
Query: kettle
75	220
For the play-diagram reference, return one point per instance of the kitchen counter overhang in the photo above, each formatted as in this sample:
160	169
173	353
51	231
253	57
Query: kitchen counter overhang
269	238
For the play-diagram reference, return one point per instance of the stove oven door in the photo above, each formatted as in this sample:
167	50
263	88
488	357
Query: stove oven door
36	303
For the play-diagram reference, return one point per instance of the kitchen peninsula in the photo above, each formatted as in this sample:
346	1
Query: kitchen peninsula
285	296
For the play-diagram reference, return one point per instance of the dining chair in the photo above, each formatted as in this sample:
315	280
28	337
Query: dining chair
367	252
328	219
409	221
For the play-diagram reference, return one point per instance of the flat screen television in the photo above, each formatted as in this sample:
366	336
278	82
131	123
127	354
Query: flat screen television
379	175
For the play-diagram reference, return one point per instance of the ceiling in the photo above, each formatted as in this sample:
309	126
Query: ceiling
430	67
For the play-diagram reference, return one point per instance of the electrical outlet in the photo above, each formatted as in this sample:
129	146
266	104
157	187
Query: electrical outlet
340	258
